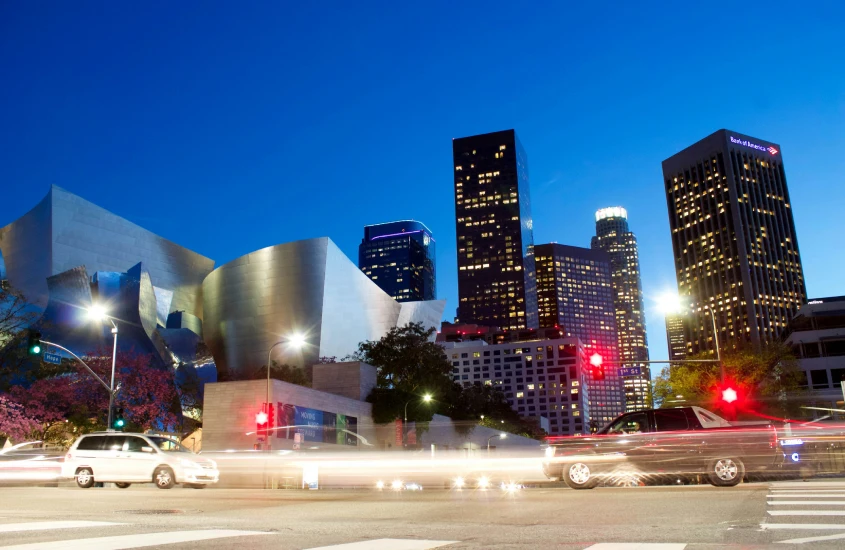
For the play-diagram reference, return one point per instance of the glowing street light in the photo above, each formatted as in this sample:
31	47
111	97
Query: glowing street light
98	313
296	341
425	399
500	436
670	304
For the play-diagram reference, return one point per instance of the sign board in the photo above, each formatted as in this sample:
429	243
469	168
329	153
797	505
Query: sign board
52	358
630	371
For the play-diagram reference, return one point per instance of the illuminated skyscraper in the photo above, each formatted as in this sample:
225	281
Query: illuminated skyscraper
495	240
736	250
614	237
675	337
575	293
399	258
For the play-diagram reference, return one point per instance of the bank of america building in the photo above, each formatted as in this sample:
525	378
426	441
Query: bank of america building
734	239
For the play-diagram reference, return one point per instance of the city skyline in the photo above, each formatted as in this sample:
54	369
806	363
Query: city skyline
228	151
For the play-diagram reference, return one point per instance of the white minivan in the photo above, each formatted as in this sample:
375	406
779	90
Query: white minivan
127	458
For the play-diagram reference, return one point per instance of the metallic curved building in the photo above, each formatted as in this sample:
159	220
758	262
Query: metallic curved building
307	288
65	231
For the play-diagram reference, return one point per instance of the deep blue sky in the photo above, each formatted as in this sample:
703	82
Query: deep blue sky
228	127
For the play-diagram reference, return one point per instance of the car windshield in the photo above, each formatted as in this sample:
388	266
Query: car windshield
168	445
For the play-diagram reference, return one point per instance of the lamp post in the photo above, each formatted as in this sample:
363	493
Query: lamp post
716	341
296	340
426	399
97	313
501	436
672	304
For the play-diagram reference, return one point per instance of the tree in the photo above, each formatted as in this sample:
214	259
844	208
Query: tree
285	373
16	315
74	402
768	380
409	366
14	422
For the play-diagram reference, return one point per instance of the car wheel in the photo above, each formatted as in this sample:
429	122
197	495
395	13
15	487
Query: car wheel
84	478
164	478
578	475
195	485
122	485
725	472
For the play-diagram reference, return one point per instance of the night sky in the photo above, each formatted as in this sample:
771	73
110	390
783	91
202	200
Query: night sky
230	127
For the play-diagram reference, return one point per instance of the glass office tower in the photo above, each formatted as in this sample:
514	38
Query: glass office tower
496	284
399	258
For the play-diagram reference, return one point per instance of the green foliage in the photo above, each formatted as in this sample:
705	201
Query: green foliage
285	373
769	378
16	315
410	366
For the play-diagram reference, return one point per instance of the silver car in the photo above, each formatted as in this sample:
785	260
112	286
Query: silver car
127	458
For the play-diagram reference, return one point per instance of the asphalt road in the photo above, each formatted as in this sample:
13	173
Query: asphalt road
757	514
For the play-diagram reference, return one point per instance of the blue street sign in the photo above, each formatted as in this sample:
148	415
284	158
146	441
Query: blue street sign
630	371
52	358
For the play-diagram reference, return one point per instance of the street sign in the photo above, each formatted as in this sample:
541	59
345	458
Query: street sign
630	371
52	358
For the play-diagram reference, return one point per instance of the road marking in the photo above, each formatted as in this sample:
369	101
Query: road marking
813	539
637	546
389	544
807	513
812	485
807	502
803	526
802	495
48	525
140	540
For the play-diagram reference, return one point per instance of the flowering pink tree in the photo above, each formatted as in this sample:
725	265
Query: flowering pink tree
75	402
14	423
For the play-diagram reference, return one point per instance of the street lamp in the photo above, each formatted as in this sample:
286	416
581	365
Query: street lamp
296	341
98	313
426	399
671	303
501	436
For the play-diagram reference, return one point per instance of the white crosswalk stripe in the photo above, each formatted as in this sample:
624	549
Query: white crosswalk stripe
790	501
389	544
49	525
119	542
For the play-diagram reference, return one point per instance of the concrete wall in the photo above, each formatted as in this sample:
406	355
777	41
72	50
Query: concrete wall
229	410
352	379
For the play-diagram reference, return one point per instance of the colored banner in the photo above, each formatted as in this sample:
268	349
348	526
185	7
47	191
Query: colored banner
316	426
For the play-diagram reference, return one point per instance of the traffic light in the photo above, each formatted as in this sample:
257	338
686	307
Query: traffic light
271	418
34	343
261	419
596	362
729	395
119	421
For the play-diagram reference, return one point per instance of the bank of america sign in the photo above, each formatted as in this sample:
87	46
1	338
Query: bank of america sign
746	143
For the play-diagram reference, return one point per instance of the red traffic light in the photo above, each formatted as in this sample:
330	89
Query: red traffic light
261	418
595	360
729	395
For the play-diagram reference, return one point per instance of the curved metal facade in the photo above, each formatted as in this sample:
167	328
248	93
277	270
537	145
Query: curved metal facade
305	287
65	231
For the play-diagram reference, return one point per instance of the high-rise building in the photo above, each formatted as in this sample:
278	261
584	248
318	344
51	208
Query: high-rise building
736	249
399	258
540	377
495	240
614	237
675	337
575	294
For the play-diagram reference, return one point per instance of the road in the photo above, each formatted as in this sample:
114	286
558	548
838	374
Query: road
673	517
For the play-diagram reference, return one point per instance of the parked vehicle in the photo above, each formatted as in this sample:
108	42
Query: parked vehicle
127	458
658	442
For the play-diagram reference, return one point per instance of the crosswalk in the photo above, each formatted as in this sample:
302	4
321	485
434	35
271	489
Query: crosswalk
814	510
76	539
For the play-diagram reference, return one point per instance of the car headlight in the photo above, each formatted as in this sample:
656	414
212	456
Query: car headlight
550	452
